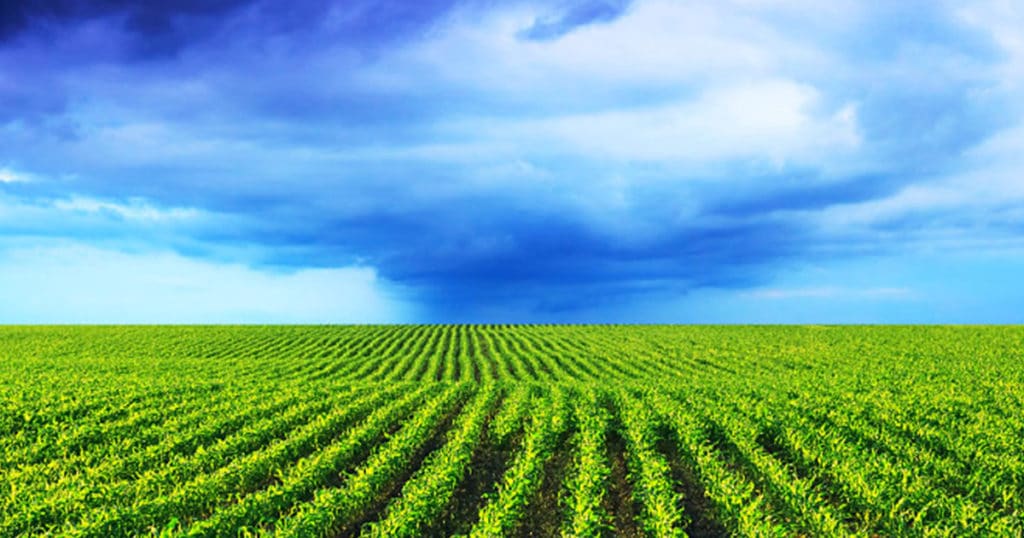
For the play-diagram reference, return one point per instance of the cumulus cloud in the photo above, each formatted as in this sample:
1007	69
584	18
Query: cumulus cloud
770	120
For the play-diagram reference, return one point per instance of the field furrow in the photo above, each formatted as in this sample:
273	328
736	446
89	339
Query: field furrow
512	430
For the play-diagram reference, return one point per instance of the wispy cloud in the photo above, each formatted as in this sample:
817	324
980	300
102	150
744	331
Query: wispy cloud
831	292
577	14
8	175
136	209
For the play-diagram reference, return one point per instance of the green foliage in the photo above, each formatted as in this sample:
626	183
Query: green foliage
425	495
433	430
586	516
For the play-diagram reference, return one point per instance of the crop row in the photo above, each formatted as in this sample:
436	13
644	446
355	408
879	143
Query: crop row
506	430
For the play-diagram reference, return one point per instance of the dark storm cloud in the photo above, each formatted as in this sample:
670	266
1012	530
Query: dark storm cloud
161	28
467	251
157	28
318	134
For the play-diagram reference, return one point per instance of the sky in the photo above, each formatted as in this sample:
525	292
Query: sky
570	161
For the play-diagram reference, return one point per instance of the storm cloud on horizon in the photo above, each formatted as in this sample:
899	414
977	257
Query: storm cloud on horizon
588	160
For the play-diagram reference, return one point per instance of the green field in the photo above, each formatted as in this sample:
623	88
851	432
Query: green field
494	430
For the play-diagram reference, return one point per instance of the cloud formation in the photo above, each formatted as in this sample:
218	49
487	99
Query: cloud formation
574	16
518	160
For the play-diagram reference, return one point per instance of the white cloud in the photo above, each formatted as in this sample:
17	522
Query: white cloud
773	120
136	209
76	283
654	42
1004	21
690	83
991	185
100	218
7	175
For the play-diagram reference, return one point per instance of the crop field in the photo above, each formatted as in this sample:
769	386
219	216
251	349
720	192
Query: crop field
490	430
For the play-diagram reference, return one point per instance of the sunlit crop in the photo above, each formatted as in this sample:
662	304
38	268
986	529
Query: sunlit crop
512	431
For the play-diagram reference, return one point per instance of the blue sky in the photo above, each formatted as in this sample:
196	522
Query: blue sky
769	161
